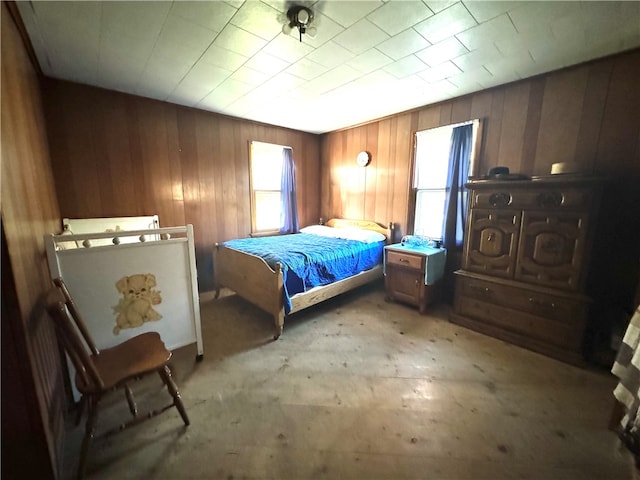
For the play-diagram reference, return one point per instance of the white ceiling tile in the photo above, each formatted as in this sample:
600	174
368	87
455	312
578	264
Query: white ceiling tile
220	57
442	71
477	58
205	74
211	15
188	94
534	17
127	43
263	62
237	40
346	13
437	6
178	30
134	19
259	19
115	64
501	68
374	81
522	42
169	70
406	66
332	79
446	23
306	69
442	51
249	75
474	79
276	86
72	26
369	61
360	36
75	71
330	55
235	3
157	86
111	45
398	15
287	48
403	44
444	88
498	28
486	10
78	16
227	92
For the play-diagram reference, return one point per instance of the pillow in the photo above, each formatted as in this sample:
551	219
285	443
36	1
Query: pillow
319	230
347	233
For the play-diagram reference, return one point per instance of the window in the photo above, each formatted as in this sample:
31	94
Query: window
266	177
431	168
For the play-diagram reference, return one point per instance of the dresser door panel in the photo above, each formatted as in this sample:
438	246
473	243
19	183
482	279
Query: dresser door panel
551	249
491	242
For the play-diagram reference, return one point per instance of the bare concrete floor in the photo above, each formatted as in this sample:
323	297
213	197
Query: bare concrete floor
358	388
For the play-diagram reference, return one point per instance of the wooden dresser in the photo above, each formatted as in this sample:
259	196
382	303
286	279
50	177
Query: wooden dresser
525	262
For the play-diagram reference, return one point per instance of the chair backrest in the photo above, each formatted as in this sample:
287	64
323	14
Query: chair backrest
68	322
75	314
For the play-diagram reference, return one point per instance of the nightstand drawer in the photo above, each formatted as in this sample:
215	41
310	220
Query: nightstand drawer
405	259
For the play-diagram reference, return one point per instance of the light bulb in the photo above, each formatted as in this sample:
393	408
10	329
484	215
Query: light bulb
311	31
286	29
303	17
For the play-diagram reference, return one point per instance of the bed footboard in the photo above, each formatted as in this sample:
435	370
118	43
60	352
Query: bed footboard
253	279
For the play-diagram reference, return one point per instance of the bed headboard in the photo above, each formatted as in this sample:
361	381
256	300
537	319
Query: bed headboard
76	226
365	224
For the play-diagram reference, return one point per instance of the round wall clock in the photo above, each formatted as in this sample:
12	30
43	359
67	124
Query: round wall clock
363	159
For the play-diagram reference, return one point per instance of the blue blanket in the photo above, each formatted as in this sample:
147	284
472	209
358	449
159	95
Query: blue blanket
309	260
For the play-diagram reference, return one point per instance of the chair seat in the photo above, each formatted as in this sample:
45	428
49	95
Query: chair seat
136	356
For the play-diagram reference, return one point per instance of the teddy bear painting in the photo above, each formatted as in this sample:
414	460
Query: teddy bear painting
138	298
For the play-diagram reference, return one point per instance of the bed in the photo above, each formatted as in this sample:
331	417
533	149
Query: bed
284	274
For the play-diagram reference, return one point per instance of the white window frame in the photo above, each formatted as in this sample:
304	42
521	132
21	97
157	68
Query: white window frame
421	163
271	153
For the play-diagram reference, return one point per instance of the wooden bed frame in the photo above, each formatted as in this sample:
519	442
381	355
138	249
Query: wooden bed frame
254	280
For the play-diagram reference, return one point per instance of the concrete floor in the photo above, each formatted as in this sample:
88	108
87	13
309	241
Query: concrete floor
358	388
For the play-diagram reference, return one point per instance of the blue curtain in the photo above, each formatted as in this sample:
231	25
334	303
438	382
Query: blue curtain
288	204
455	208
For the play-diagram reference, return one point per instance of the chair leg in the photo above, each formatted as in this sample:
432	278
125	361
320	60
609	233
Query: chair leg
165	374
133	408
89	432
80	409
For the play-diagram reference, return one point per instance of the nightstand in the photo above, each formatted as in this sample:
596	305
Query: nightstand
412	273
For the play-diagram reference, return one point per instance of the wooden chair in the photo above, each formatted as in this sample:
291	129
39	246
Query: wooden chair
101	371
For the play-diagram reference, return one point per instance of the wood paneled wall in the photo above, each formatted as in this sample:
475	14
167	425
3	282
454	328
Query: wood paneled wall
587	114
119	155
32	385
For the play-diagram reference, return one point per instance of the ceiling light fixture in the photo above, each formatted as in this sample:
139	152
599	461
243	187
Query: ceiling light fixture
301	18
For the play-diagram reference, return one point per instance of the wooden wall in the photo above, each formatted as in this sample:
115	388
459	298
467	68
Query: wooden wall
587	114
118	155
32	386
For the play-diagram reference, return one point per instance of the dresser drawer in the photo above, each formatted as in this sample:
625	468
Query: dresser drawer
568	198
527	325
405	259
560	309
